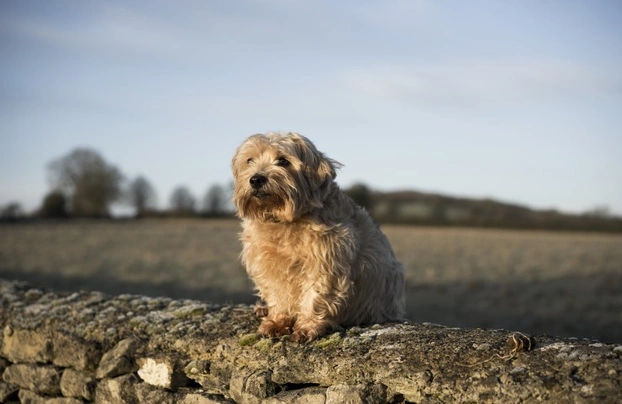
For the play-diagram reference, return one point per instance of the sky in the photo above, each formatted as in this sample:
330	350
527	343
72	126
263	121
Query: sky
519	101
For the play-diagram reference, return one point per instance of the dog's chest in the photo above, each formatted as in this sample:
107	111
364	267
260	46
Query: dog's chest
282	248
282	242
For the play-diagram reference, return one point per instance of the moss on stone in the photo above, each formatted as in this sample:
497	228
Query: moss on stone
329	342
190	310
248	339
263	345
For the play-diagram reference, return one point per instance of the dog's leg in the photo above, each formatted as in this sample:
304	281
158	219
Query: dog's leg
316	317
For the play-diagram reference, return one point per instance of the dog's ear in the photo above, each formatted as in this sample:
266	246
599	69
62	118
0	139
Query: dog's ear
319	169
326	169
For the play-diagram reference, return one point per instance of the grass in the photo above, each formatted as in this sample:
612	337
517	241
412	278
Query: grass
567	284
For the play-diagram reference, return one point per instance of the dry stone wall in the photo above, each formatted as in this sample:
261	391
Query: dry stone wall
66	348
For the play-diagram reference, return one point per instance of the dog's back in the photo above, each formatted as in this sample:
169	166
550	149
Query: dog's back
377	276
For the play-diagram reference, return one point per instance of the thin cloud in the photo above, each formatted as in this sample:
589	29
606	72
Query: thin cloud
197	30
484	82
106	28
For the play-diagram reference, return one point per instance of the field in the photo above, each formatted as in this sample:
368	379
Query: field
567	284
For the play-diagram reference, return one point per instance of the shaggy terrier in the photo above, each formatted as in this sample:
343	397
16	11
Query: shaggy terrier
317	259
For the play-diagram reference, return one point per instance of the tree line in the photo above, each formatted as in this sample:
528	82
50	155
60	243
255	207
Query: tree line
84	184
419	208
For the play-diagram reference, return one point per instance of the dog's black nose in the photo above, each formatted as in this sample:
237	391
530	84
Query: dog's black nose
257	181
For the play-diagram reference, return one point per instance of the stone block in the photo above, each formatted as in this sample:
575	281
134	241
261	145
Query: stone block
7	391
77	384
40	379
30	397
204	398
72	352
119	360
147	394
26	346
308	395
63	400
212	376
251	388
342	393
119	390
360	393
164	372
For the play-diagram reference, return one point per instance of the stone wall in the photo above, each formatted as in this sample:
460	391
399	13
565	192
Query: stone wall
89	347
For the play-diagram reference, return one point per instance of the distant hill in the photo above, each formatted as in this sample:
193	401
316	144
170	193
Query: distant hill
413	207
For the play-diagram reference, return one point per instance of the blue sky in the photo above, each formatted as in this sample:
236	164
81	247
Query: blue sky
520	101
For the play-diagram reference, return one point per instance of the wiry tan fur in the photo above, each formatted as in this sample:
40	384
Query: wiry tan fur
317	259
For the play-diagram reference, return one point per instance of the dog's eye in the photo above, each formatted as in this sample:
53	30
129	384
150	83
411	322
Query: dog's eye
282	162
250	161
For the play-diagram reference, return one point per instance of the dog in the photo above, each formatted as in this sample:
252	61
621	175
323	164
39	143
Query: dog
317	259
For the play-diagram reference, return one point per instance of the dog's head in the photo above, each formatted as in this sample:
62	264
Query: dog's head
280	177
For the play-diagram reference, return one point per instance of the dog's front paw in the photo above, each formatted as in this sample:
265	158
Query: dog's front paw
260	309
306	330
309	331
302	336
276	328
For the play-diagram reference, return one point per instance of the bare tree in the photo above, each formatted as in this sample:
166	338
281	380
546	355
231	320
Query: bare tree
141	195
182	201
215	201
89	182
